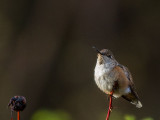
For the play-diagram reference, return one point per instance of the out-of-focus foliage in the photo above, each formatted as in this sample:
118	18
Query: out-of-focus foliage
148	118
129	117
50	115
118	115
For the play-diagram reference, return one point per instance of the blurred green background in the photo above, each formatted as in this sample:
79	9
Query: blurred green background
46	55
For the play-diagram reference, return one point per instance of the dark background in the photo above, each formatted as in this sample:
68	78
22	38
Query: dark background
46	54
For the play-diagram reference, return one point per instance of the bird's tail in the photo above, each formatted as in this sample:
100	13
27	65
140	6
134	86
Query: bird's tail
133	101
138	104
133	98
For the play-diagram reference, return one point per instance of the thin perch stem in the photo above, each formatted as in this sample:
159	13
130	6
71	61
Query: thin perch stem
18	115
11	115
110	106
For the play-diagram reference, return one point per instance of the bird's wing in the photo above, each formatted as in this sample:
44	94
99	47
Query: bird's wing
129	76
126	72
132	96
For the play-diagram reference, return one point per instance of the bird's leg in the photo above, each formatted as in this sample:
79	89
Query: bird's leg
110	105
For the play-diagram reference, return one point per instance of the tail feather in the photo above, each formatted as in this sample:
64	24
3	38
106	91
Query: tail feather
133	101
139	104
133	98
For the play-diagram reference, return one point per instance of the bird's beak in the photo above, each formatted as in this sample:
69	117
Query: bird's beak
97	50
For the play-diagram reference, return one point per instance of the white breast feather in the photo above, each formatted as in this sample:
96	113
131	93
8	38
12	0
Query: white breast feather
101	77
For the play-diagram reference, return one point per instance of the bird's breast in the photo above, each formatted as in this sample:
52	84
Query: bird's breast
102	78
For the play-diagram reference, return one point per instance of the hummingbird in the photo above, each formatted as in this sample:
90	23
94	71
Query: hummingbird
114	79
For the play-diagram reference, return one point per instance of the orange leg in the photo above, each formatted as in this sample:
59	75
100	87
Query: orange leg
110	106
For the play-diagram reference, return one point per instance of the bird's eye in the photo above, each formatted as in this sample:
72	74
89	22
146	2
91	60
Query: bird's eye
109	56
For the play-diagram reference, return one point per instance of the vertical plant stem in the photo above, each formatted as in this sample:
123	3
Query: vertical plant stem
110	106
11	115
18	115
